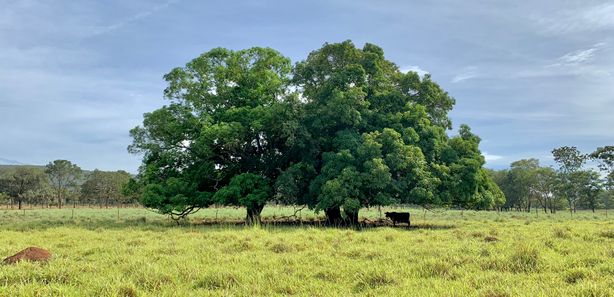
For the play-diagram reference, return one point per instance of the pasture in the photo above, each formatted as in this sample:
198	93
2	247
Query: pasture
134	252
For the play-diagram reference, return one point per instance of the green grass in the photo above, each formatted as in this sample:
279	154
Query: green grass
446	254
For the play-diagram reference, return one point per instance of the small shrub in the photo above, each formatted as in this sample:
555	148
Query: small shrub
561	233
127	292
285	290
524	259
327	275
216	281
484	253
592	290
491	239
281	247
477	234
374	279
495	293
240	246
438	269
607	234
549	244
575	275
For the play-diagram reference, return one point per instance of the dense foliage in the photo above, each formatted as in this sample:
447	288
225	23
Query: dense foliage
572	185
342	130
62	182
104	186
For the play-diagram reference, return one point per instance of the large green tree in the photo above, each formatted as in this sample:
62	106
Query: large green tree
231	113
343	130
376	136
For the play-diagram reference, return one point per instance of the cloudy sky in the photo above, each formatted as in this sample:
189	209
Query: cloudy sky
528	76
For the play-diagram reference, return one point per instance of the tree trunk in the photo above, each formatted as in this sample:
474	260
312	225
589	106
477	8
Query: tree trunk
19	203
333	216
253	215
351	217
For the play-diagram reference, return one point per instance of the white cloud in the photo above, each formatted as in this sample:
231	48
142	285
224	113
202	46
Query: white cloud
581	56
490	158
414	68
592	18
467	73
138	16
578	56
593	61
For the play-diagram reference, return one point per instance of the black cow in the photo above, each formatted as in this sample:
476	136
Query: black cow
398	217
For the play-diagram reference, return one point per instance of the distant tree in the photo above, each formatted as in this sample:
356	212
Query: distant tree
523	174
527	183
63	175
591	187
20	181
4	198
544	188
605	157
104	186
570	162
42	195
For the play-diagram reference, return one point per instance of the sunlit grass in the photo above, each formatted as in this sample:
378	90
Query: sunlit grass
447	254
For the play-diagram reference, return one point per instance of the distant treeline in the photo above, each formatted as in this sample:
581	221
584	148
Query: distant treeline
572	185
62	183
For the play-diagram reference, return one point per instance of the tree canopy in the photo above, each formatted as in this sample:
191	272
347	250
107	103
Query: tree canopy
21	182
341	130
63	175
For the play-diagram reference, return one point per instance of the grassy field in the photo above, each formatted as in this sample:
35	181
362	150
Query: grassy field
139	253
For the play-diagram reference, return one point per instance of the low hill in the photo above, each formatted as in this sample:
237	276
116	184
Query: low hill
4	161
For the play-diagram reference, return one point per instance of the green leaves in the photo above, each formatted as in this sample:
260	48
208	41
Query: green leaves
342	129
246	189
231	114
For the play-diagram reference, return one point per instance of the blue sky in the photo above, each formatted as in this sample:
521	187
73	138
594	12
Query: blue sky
528	76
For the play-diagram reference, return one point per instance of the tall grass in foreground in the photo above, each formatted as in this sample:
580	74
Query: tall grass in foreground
139	253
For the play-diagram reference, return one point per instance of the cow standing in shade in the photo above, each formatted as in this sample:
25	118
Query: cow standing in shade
398	217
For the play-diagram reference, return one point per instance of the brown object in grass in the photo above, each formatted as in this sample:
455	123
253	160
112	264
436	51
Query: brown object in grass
34	254
490	239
